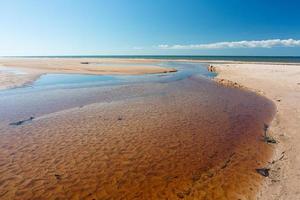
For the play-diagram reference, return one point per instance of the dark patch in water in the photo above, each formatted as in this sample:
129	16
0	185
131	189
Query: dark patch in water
120	118
263	171
57	176
18	123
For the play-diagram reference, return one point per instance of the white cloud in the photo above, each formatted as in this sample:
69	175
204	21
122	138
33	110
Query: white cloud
237	44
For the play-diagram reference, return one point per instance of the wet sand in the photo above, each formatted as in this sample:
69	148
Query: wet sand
10	80
281	83
191	139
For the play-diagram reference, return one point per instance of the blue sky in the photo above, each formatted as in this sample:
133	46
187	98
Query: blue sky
189	27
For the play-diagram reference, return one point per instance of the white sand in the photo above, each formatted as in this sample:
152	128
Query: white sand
280	83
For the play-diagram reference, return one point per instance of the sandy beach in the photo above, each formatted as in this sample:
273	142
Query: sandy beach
191	138
34	67
281	84
150	100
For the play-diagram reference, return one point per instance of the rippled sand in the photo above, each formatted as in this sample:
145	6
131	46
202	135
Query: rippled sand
188	139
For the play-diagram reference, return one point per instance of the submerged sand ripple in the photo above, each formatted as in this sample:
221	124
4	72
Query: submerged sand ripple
196	140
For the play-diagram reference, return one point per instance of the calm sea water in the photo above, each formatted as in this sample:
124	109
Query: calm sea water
286	59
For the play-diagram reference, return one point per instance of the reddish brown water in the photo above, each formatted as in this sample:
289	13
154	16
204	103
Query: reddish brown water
189	139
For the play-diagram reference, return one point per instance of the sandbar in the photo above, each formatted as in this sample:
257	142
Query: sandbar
34	67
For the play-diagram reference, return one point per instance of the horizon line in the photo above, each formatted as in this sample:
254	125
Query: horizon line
145	55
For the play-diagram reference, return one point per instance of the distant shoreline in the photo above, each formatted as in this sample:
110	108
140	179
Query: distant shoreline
280	59
35	66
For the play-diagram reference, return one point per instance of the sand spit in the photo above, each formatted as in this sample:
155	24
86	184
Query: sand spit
190	139
34	67
281	83
10	80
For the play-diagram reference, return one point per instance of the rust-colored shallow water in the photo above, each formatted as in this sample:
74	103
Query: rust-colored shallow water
188	139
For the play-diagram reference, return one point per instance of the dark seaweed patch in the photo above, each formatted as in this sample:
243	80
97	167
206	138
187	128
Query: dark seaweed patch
18	123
